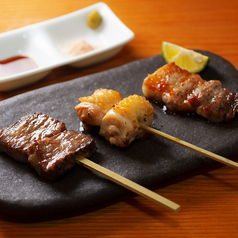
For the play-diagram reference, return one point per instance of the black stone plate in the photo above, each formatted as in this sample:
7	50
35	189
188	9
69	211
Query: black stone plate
146	162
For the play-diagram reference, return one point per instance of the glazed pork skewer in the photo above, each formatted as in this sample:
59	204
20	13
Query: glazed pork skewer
127	119
182	91
52	151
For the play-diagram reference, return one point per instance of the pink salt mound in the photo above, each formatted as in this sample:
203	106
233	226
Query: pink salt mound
77	47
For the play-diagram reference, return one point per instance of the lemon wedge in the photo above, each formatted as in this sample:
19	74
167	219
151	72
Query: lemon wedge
190	60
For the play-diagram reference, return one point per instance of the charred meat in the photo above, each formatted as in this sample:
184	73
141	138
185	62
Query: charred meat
181	91
16	139
54	156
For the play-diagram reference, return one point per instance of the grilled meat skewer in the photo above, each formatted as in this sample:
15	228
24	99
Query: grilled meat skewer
118	119
52	157
121	125
181	91
17	138
45	144
93	108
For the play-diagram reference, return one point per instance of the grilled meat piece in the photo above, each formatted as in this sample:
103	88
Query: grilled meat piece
93	108
182	91
118	119
120	126
52	157
17	138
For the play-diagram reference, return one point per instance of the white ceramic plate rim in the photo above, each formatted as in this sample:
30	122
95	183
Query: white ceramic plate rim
113	48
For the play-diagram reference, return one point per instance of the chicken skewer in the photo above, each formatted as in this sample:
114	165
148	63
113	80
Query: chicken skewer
93	108
127	119
118	119
52	151
121	125
181	91
92	111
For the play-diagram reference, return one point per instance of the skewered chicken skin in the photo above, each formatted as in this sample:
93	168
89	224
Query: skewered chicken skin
93	108
121	125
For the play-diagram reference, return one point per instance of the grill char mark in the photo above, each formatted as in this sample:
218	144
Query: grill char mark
181	91
52	157
17	138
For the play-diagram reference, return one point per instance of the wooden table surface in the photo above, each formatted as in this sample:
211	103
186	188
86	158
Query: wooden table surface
208	197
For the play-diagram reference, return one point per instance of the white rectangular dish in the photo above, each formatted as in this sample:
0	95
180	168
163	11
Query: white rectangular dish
43	43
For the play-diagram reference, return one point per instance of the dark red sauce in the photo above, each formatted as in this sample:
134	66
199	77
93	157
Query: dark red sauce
16	65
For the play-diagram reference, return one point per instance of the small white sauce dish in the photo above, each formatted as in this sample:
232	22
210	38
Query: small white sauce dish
43	42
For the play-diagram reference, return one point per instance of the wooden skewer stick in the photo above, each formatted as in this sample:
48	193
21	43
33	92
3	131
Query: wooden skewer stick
191	147
128	184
